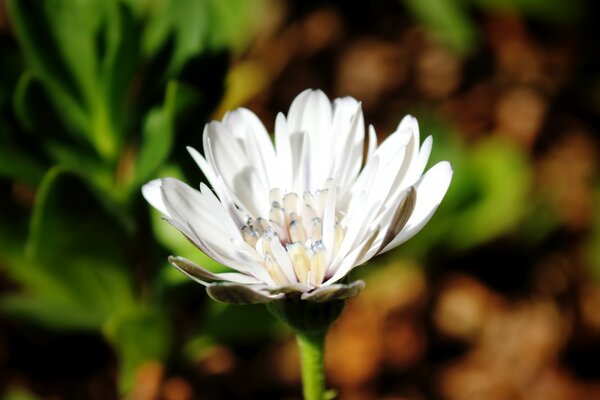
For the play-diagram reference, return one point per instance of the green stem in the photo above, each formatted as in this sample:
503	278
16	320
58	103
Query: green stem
312	354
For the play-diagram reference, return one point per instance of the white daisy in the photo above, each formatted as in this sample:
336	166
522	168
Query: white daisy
294	218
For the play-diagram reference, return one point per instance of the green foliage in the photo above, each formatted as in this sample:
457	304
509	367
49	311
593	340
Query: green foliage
92	100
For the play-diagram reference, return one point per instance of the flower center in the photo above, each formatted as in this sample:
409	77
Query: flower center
293	234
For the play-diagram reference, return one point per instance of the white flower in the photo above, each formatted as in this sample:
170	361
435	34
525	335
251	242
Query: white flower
299	215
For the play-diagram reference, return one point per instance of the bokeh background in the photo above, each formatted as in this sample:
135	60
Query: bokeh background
497	298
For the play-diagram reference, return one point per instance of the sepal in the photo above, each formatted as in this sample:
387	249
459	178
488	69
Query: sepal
234	293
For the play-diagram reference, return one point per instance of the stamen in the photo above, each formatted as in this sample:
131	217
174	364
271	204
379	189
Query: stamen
299	261
266	241
321	200
274	270
308	214
297	233
261	225
290	203
307	197
281	232
297	223
249	235
318	263
275	196
277	214
316	231
340	232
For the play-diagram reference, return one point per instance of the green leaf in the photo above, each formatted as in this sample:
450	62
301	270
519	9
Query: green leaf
139	335
78	250
503	178
19	165
447	20
223	321
42	51
159	130
157	137
232	22
182	22
51	312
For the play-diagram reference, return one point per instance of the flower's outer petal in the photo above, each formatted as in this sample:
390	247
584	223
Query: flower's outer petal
218	185
205	277
328	230
187	204
350	261
399	218
372	142
299	144
250	132
234	293
338	291
205	167
431	189
311	113
418	166
287	289
283	151
348	153
230	161
153	195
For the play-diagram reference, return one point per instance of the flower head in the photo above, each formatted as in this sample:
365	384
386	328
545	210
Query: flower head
296	217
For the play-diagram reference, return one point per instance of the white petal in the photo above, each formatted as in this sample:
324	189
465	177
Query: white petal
329	223
418	166
205	277
348	154
282	258
372	142
153	195
230	161
351	260
431	188
284	152
252	136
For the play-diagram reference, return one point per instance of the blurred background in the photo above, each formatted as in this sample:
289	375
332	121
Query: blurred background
497	298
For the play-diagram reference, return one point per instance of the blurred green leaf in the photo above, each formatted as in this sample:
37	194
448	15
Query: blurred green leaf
223	323
447	21
159	130
18	394
232	22
191	27
503	178
70	266
51	312
42	51
139	335
16	164
85	53
184	22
